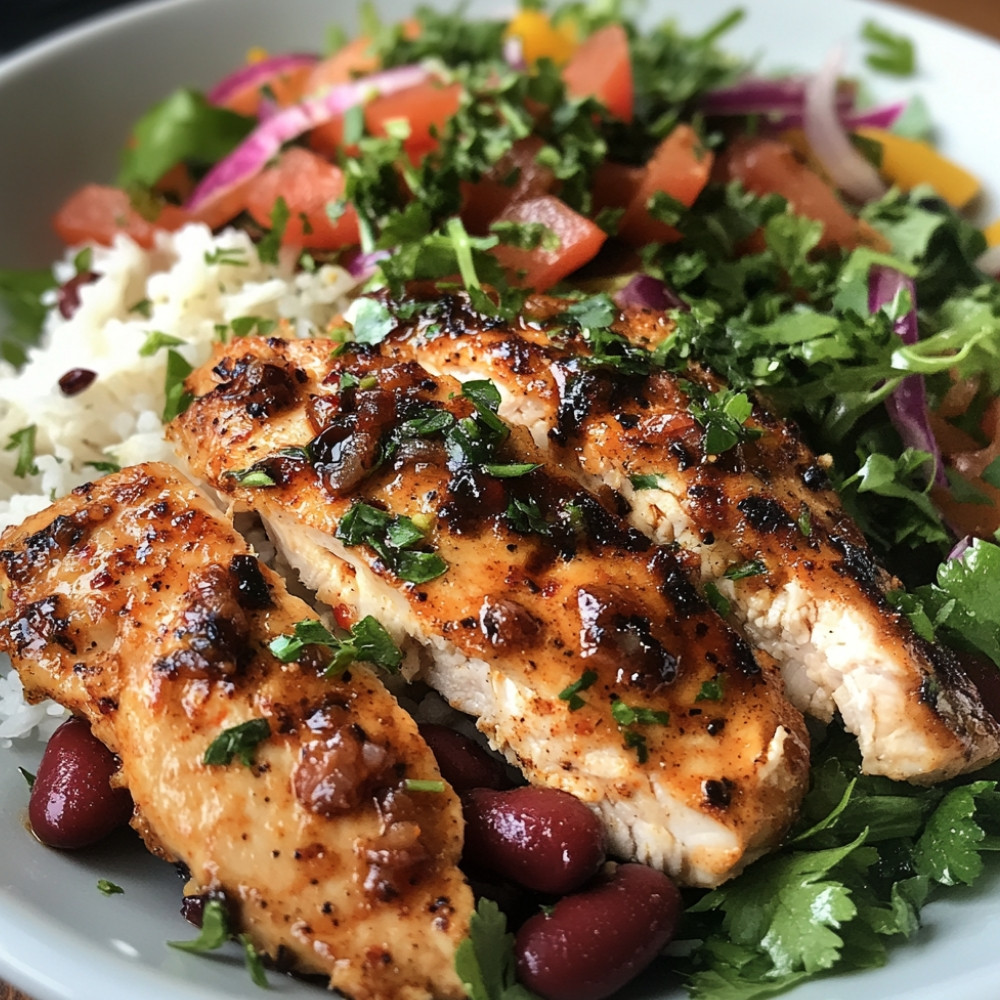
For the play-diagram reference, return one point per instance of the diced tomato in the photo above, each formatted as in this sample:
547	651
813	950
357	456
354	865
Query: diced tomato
768	166
602	68
427	106
308	184
351	60
579	241
516	176
615	185
679	167
97	214
283	87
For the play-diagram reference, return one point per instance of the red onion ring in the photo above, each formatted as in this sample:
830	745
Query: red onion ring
265	141
256	73
846	167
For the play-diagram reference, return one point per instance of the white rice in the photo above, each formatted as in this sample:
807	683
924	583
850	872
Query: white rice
189	286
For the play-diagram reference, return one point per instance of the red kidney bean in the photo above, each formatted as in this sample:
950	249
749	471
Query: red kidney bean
68	294
464	764
593	942
72	803
541	838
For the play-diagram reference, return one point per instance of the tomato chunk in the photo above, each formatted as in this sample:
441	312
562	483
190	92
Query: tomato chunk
540	268
602	68
351	60
768	166
283	87
98	213
308	184
679	167
427	107
516	176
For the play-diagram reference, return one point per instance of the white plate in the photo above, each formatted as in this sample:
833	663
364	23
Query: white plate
65	107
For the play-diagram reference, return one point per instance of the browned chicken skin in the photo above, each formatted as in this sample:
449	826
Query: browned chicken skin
681	741
135	604
760	521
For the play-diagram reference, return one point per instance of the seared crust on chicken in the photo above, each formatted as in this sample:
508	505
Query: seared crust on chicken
582	649
760	520
135	604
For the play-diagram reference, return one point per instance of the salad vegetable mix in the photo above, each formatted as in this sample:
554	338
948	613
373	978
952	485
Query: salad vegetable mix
808	246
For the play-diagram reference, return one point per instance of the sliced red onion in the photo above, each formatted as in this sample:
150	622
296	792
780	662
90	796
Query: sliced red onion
363	265
269	136
764	96
257	74
646	292
989	262
847	168
959	548
884	117
513	54
907	405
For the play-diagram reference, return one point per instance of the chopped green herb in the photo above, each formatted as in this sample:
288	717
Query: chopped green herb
178	399
250	326
251	477
144	307
645	482
423	785
571	693
711	690
717	601
214	930
237	741
23	441
28	777
254	963
22	312
367	640
109	888
629	715
724	415
270	244
484	961
156	340
740	571
394	539
891	53
230	256
804	521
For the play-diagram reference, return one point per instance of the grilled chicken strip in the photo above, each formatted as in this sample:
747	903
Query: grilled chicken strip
583	651
135	604
760	519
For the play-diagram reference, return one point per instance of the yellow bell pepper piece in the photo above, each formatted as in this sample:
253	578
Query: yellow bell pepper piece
256	54
909	162
541	39
992	233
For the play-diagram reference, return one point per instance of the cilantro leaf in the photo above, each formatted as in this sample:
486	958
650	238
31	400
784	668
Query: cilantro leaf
109	888
237	741
178	399
22	312
571	693
214	930
23	442
724	415
183	128
367	640
393	538
484	961
892	53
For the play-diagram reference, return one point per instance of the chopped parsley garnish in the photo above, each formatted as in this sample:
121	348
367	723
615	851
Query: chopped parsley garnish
366	640
717	601
484	961
724	415
22	312
711	690
645	481
178	399
571	693
215	933
891	52
741	571
29	778
270	244
395	539
109	888
155	341
239	741
229	256
23	442
630	716
423	785
252	476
